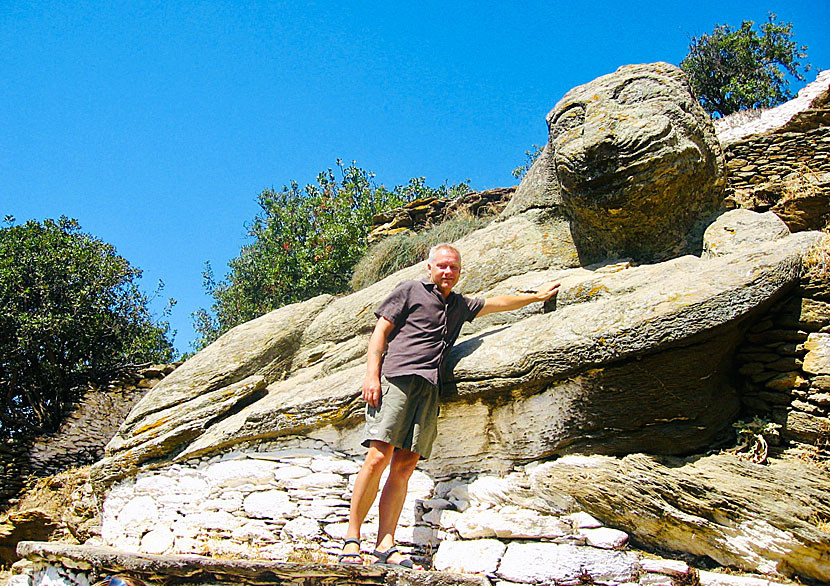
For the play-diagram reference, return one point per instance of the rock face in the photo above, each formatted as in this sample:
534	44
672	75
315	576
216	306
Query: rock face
632	360
632	163
628	358
738	513
423	213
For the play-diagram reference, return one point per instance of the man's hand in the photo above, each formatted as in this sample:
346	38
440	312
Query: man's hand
371	390
511	302
548	291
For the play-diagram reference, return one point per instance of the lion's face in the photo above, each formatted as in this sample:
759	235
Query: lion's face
603	134
631	144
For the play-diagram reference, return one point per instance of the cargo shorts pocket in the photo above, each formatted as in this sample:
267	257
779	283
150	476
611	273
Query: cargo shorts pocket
373	413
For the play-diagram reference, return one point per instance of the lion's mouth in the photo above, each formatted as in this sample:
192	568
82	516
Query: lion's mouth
606	171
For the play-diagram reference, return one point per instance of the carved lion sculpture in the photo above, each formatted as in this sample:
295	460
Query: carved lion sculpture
632	162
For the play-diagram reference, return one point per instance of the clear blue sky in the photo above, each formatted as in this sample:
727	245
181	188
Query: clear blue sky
156	124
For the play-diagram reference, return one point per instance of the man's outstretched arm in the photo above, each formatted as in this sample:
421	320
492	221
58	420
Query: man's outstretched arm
377	346
511	302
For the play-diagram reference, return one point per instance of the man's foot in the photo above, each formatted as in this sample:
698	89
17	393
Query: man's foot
393	557
351	552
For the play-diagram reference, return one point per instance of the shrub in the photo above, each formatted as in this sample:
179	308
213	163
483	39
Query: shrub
305	242
70	312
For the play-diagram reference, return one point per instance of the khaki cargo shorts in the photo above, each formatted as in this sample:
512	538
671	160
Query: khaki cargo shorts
406	416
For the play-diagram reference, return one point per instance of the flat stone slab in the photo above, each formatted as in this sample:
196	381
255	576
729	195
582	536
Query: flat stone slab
196	569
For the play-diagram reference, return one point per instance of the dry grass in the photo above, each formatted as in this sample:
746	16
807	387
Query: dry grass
400	251
817	454
817	260
802	182
738	118
820	523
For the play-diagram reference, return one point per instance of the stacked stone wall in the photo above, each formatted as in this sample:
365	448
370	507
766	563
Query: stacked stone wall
82	436
773	157
779	159
784	369
289	501
92	423
14	468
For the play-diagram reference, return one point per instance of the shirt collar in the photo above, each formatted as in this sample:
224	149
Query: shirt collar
430	286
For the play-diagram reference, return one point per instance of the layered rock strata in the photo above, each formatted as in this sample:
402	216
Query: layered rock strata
423	213
627	361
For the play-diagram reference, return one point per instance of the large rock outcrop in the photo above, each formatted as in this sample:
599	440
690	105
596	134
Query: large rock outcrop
628	358
632	166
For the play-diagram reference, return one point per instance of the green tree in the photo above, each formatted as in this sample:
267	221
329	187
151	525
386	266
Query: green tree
70	313
731	70
304	242
530	158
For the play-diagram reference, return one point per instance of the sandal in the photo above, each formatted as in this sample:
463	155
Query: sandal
383	559
351	558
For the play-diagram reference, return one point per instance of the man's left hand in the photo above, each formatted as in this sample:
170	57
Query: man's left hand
548	291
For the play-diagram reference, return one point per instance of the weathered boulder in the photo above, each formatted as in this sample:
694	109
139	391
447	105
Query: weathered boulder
734	511
741	228
57	508
15	527
630	359
806	203
632	164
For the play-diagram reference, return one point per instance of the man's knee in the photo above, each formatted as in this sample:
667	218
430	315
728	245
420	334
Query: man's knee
378	457
404	463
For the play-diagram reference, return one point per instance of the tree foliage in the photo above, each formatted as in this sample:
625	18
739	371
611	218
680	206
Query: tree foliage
530	158
732	70
304	242
70	313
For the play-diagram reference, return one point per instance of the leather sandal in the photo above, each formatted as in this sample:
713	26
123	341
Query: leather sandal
351	558
383	559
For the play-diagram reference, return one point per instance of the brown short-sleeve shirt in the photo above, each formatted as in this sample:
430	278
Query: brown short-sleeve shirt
425	329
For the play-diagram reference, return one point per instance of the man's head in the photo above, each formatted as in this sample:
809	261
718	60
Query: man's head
444	267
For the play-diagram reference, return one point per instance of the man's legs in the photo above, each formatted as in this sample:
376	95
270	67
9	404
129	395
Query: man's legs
365	490
392	499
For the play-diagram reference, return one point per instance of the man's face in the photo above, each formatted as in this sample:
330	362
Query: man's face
445	270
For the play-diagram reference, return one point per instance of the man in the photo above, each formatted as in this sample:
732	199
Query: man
417	325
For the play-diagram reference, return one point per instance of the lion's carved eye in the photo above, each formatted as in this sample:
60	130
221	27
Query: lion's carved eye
568	120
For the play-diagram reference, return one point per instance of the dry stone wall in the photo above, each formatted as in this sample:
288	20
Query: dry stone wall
772	157
780	161
784	369
781	153
289	500
14	456
83	434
